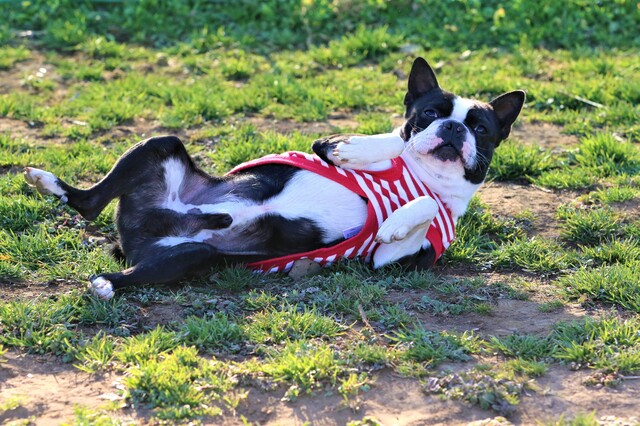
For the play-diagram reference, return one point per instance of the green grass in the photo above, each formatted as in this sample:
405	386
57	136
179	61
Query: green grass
610	344
525	347
516	162
433	348
240	82
180	384
615	283
588	227
277	326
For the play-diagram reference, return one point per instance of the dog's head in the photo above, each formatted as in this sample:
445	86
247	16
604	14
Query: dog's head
450	135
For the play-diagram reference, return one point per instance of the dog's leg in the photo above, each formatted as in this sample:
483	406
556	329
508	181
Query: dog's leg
137	165
403	232
165	222
372	153
160	265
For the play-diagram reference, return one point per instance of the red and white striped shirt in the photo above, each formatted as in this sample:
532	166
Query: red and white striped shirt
385	191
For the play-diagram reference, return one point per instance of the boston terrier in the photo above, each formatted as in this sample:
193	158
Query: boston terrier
384	198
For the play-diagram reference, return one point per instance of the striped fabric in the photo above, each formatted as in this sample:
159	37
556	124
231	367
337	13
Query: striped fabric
386	191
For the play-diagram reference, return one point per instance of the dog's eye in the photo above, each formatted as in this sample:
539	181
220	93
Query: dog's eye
480	129
431	113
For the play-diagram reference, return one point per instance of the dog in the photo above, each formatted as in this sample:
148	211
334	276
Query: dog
384	198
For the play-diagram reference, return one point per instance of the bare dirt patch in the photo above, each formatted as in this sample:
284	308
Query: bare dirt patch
544	135
50	390
563	391
510	199
333	124
508	317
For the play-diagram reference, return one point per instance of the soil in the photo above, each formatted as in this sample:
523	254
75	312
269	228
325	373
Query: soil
49	389
511	199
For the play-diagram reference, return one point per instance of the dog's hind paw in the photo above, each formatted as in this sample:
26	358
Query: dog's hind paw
101	288
46	183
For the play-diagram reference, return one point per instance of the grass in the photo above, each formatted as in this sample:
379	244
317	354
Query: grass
238	83
613	283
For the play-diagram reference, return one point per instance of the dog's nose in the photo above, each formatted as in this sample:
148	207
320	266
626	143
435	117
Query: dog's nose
452	132
454	126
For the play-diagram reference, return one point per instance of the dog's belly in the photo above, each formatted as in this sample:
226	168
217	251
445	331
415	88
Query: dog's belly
307	196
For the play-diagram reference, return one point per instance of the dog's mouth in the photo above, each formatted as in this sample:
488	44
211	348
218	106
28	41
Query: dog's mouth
446	151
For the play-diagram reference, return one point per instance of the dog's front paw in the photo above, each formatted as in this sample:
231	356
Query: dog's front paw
360	151
354	151
101	288
391	231
46	183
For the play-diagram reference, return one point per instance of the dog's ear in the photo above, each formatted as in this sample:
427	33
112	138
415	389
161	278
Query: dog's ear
507	107
422	79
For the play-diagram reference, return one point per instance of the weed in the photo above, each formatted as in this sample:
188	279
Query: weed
610	344
580	419
303	363
85	416
433	348
147	346
9	56
526	367
613	251
351	387
40	326
588	226
573	178
478	233
535	255
616	283
180	384
255	301
288	324
217	332
517	162
525	347
489	390
96	354
616	194
10	404
371	354
551	306
607	156
234	278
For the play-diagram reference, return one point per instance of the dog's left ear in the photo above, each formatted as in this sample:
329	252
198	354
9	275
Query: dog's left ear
507	108
422	79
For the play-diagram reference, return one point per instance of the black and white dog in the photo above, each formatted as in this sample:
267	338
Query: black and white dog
382	196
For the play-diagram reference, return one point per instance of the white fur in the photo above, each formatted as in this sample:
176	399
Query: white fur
402	222
45	182
403	233
446	180
411	244
200	237
174	172
461	107
101	288
371	153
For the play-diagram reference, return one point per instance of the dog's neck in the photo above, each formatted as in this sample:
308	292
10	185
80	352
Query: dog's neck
451	186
